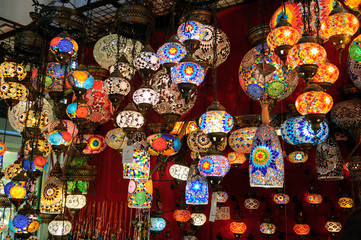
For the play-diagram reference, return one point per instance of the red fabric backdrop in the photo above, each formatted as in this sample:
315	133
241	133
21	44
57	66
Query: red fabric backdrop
235	22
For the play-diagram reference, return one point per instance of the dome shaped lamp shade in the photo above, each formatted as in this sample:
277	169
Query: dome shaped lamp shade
329	162
187	75
314	103
339	27
63	48
145	98
238	228
60	226
170	53
216	123
146	62
198	219
214	167
191	33
116	87
283	38
305	57
196	188
130	119
266	167
140	193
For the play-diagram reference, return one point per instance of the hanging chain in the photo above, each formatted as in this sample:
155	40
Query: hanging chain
318	22
214	69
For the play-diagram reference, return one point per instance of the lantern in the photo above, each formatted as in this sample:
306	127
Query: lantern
130	119
95	143
25	222
326	75
251	203
36	164
78	110
181	215
297	157
281	199
146	62
216	123
125	69
53	194
140	193
221	196
170	101
196	188
315	104
236	159
116	138
191	33
13	90
61	132
205	53
140	166
187	75
266	166
355	49
282	38
80	80
353	4
238	228
75	201
145	97
339	27
198	141
106	49
63	48
298	131
345	202
267	229
346	114
301	229
214	166
179	172
60	226
12	72
157	224
241	139
289	11
305	57
163	144
19	189
333	226
354	70
170	53
198	219
329	162
314	199
12	170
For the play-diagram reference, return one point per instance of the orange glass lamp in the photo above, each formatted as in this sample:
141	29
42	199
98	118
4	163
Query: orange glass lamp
181	215
301	228
345	202
281	199
314	103
314	199
298	158
339	27
354	5
238	227
236	159
326	75
306	56
283	38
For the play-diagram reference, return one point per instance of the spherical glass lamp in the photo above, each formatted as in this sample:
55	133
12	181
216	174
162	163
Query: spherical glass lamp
281	199
146	62
130	119
347	114
80	81
305	57
170	53
314	103
251	203
191	33
221	196
282	38
298	131
198	219
115	138
236	158
181	215
37	164
60	226
13	90
297	157
75	201
179	172
116	87
145	98
18	189
78	109
238	228
326	75
12	72
33	119
241	139
187	75
126	70
25	222
268	229
63	48
314	199
214	167
333	226
345	202
157	224
301	229
354	5
339	27
355	49
140	193
12	170
216	123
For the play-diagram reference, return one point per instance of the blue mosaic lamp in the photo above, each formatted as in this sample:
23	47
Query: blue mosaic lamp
80	80
214	167
266	167
25	222
187	75
196	188
298	131
157	223
170	53
191	33
216	123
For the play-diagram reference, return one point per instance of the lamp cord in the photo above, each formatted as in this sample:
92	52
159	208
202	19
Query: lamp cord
214	69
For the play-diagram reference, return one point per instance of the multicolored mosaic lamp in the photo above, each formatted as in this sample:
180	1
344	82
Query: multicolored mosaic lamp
281	199
214	167
221	197
190	34
329	161
355	49
339	27
282	38
25	222
140	193
266	168
238	227
157	223
306	56
163	144
130	119
196	188
19	189
63	47
146	62
326	75
354	5
314	104
267	228
12	72
346	202
216	123
236	159
301	228
139	169
145	97
298	131
297	157
80	80
187	75
241	139
170	53
181	215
